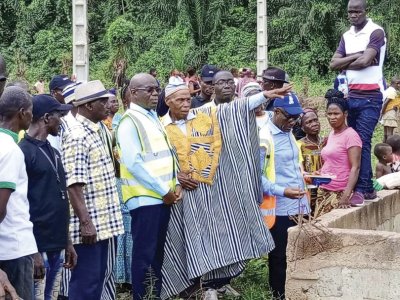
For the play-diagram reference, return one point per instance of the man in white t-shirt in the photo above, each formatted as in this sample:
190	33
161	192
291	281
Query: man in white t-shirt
16	231
361	52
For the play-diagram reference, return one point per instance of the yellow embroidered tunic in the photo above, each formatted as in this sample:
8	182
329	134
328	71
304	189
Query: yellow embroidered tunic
198	151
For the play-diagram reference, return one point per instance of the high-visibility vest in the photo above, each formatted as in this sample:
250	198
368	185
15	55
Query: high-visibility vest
157	156
268	205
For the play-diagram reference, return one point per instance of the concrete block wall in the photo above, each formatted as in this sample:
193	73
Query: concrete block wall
347	254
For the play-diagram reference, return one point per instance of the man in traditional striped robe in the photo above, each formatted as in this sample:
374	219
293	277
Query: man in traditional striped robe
217	226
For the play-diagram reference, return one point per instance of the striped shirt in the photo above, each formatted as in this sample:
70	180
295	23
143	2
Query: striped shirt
86	161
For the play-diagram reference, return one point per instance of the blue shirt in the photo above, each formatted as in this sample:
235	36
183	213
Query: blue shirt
131	157
287	174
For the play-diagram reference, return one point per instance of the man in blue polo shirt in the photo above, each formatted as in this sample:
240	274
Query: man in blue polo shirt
284	182
47	195
361	53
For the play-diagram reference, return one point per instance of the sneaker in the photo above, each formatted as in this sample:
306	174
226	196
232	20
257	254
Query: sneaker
210	294
357	199
371	197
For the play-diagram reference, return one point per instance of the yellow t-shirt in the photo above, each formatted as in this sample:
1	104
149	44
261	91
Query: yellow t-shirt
393	98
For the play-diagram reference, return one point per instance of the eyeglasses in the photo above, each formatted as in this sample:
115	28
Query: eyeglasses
225	82
294	118
149	89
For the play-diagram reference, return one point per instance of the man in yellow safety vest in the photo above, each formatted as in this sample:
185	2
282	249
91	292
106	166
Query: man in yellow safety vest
149	185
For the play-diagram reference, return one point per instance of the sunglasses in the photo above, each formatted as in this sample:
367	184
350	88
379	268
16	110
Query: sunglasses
149	89
294	118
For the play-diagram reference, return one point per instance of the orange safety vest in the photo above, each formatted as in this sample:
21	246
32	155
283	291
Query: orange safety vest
268	205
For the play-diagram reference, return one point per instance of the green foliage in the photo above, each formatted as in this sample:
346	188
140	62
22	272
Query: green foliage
233	47
166	34
177	48
252	284
51	53
120	32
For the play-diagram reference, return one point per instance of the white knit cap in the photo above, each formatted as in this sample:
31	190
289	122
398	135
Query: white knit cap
173	88
250	87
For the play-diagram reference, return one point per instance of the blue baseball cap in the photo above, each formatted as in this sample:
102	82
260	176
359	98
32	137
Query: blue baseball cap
208	72
44	103
59	82
290	103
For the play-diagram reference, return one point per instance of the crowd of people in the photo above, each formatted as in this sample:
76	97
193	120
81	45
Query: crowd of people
173	192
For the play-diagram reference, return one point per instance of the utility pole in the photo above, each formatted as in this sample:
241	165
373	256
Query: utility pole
80	40
262	39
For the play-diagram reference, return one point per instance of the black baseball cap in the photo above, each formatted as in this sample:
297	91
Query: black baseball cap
208	72
45	103
274	74
59	82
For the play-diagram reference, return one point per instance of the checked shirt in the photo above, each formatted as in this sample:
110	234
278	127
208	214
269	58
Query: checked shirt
86	161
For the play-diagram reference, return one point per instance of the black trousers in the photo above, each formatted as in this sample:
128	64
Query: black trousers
277	257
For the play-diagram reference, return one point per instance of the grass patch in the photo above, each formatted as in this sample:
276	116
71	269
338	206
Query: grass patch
252	284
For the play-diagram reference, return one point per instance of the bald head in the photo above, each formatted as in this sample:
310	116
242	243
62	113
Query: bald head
3	74
142	79
144	91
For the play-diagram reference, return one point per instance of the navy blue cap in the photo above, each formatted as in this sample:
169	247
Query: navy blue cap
59	82
208	72
45	103
290	103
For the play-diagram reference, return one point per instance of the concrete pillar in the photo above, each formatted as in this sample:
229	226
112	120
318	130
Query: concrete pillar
80	40
262	39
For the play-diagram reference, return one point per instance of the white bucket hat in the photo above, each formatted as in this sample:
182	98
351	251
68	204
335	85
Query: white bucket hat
90	91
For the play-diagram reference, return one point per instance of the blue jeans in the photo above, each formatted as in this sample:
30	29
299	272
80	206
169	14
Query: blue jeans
20	274
149	229
49	287
363	116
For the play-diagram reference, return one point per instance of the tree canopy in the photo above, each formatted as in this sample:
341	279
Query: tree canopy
36	35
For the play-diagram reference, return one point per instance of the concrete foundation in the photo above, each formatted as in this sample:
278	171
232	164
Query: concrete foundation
347	254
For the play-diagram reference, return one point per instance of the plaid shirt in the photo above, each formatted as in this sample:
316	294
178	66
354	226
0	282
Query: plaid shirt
86	161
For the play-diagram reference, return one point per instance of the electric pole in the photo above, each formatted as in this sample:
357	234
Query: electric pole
80	40
262	39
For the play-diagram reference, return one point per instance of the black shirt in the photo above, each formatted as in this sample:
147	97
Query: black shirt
48	200
162	107
198	101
